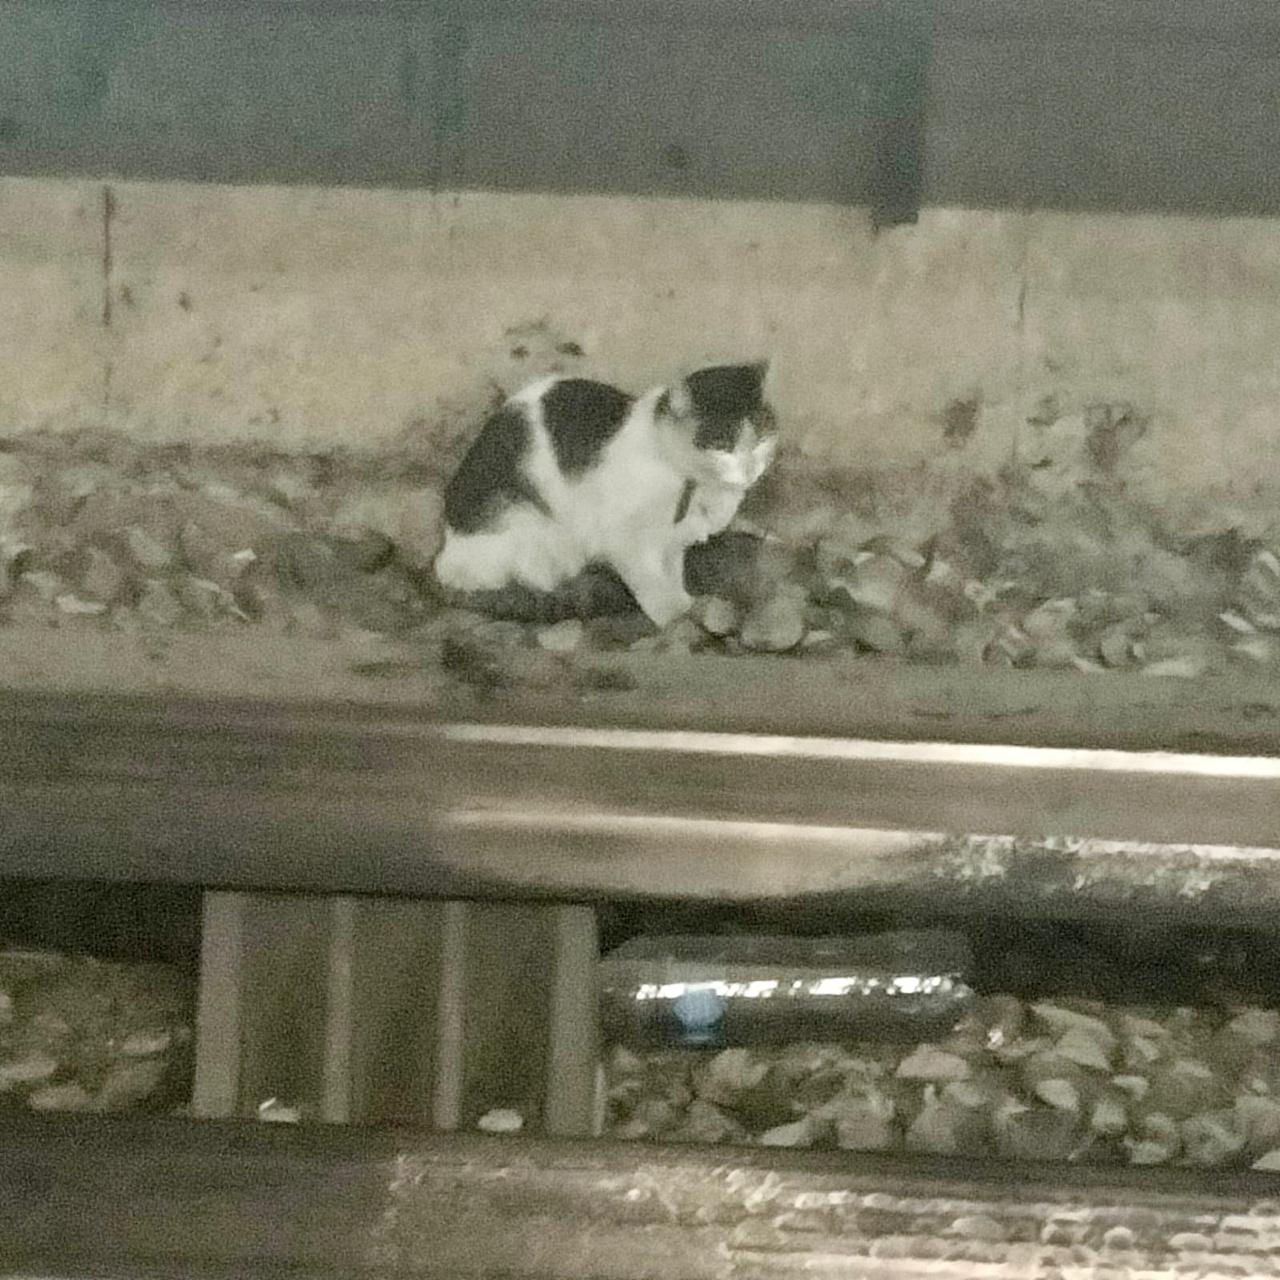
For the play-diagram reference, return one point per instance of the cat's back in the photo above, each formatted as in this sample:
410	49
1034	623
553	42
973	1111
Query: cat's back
551	430
580	418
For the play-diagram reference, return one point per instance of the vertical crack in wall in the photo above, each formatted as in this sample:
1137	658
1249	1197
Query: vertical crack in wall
108	212
1020	307
108	215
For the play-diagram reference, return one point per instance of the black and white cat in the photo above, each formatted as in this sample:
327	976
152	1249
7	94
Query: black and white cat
570	474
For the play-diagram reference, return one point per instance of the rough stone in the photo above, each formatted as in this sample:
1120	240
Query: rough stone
1060	1020
43	584
60	1097
144	1044
500	1120
100	578
368	552
875	631
72	604
716	615
1210	1140
729	1073
210	559
26	1069
130	1083
562	637
706	1123
777	623
930	1063
1258	1027
1182	1087
1258	1118
157	604
1058	1093
204	598
1109	1118
799	1133
147	551
1036	1133
1084	1047
864	1124
941	1129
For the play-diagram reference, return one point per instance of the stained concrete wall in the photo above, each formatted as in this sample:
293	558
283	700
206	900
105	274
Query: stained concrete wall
1100	222
320	317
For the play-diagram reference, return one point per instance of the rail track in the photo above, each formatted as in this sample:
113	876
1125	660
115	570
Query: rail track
405	883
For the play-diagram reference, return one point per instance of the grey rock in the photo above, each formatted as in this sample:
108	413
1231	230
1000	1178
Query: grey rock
706	1123
43	584
307	562
730	1073
862	1123
1182	1087
876	631
1110	1116
799	1133
1085	1048
930	1063
1258	1118
60	1097
716	615
145	1044
100	578
562	637
1058	1093
1038	1133
209	558
147	551
368	552
130	1083
1060	1019
1258	1027
72	604
26	1069
1212	1139
205	598
157	604
777	623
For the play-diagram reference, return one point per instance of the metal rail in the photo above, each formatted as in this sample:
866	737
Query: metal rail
543	796
103	1199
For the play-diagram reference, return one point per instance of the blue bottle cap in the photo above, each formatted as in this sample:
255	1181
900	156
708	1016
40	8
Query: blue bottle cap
699	1013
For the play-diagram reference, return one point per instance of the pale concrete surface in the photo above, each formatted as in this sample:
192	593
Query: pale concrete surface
314	317
54	349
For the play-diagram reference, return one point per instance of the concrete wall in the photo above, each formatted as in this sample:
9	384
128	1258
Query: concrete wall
321	317
1100	222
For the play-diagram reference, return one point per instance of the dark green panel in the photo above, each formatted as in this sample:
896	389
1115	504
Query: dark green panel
668	111
1106	123
1047	112
231	95
399	97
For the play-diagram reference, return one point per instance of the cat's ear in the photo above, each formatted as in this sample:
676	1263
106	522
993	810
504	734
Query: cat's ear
676	401
762	369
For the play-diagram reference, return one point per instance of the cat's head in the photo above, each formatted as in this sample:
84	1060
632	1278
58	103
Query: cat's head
722	412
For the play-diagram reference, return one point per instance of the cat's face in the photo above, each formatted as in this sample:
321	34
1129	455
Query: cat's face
723	413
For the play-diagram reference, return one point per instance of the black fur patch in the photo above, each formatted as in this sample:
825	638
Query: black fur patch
581	417
490	478
686	497
722	397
